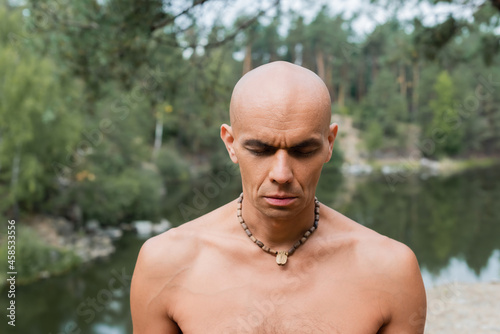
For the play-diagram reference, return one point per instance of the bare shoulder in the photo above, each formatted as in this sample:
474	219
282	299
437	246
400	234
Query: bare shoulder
391	268
396	275
162	265
169	252
375	251
394	258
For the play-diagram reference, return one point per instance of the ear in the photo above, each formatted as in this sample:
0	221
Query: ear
332	134
226	134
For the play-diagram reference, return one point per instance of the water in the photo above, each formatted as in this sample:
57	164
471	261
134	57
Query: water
452	224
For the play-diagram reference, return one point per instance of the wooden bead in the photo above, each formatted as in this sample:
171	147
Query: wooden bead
281	256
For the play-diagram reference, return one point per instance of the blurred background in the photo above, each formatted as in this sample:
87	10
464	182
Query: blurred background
109	133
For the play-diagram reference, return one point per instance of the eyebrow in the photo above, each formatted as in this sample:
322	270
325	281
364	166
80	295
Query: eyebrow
258	143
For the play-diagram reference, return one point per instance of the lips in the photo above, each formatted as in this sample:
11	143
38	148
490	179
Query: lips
280	200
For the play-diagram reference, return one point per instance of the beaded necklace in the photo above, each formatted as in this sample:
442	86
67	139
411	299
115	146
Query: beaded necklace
281	256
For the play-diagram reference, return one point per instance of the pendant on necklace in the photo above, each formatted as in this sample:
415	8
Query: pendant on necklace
281	258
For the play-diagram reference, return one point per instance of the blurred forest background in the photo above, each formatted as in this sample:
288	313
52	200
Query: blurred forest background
107	105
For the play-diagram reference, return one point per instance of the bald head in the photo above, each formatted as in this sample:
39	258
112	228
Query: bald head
280	135
280	89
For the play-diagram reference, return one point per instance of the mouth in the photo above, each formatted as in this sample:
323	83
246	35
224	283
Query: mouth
280	200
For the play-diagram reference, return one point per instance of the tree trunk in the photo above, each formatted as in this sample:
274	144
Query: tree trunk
320	64
324	72
273	55
247	62
0	151
16	162
298	54
342	87
341	95
374	69
414	87
329	77
402	80
360	92
158	136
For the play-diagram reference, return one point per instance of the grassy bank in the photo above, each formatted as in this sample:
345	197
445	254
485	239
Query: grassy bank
34	258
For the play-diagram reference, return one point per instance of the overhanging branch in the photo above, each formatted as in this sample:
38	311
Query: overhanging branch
241	27
171	19
496	4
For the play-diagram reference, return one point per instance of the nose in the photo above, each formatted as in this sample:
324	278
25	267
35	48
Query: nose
281	171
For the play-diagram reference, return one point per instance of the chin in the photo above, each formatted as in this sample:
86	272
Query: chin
277	211
280	214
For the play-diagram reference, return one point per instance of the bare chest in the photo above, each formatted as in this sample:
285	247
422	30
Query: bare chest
290	302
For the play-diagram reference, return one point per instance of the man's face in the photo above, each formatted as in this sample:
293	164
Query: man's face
280	141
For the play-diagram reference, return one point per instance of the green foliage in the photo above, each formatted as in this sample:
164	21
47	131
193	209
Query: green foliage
445	129
384	104
132	194
490	46
381	113
173	167
431	40
35	257
134	104
39	119
374	137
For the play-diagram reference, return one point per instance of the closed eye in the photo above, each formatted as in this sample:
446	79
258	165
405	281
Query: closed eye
261	151
302	150
302	153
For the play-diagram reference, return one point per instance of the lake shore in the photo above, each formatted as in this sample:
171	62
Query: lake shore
50	246
463	308
401	168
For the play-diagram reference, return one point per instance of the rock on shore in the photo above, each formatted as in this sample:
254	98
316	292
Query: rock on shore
94	243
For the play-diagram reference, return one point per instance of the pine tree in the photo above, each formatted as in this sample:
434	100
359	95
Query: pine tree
445	130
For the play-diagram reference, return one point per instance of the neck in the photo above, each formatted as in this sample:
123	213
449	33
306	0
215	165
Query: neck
279	232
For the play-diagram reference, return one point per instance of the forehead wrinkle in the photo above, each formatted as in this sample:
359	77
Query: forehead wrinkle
282	118
281	139
304	143
279	133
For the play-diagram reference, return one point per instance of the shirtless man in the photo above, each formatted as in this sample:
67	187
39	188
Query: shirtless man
208	276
